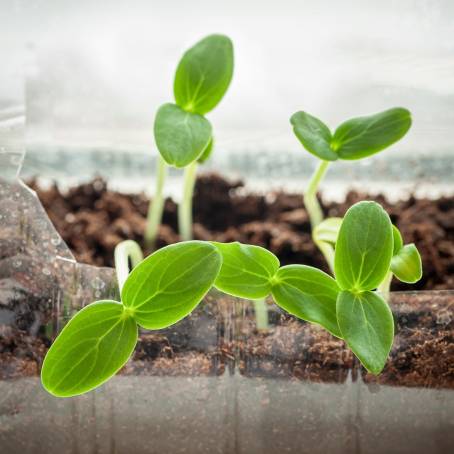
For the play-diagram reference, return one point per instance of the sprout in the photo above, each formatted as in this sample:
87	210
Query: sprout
169	284
347	306
98	340
183	135
356	138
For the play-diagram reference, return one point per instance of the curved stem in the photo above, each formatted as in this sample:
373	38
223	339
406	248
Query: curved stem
310	196
185	206
385	287
315	212
328	252
126	253
156	205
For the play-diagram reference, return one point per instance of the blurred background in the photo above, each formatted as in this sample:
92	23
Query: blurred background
91	75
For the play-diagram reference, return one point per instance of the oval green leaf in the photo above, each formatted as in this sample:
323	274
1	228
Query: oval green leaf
170	283
364	136
364	247
314	135
327	231
397	240
309	294
91	348
406	264
367	325
247	271
204	74
181	137
207	152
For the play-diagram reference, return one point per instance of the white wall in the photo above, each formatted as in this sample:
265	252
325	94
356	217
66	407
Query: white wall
98	70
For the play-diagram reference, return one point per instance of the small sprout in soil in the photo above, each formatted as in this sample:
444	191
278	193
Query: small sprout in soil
183	135
354	139
168	285
347	306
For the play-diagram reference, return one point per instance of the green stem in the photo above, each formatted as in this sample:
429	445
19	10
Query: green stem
185	207
328	252
261	314
315	212
385	287
310	196
126	253
156	206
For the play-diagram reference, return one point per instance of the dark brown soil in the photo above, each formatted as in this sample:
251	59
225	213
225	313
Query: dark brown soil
92	220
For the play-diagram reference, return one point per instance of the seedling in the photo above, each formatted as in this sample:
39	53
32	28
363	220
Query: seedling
169	284
98	340
354	139
367	249
183	135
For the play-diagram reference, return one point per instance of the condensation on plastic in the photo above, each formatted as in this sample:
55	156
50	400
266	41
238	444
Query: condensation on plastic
223	399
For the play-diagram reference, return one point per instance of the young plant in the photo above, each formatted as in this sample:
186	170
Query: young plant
354	139
183	135
367	250
98	340
169	284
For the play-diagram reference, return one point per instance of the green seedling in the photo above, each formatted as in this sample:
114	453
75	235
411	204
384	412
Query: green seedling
183	135
347	306
98	340
168	285
354	139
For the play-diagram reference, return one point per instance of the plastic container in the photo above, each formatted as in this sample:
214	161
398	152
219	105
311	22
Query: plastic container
212	383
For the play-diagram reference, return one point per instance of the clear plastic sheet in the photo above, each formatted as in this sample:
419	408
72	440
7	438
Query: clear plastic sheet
213	383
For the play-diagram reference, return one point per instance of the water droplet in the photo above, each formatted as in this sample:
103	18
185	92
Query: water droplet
98	283
46	271
56	241
443	317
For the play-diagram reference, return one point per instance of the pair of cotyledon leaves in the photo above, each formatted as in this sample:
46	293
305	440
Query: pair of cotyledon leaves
170	283
405	263
356	138
182	133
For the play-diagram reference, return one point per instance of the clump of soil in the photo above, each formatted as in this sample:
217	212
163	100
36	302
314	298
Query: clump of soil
92	219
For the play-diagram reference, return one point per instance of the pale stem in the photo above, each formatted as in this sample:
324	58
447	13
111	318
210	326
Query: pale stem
156	205
385	287
314	209
127	253
261	314
328	252
185	207
310	196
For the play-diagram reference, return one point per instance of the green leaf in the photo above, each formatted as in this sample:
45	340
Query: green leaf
327	231
207	152
364	136
309	294
314	135
406	264
204	74
364	247
170	283
367	325
247	271
181	137
91	348
397	240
